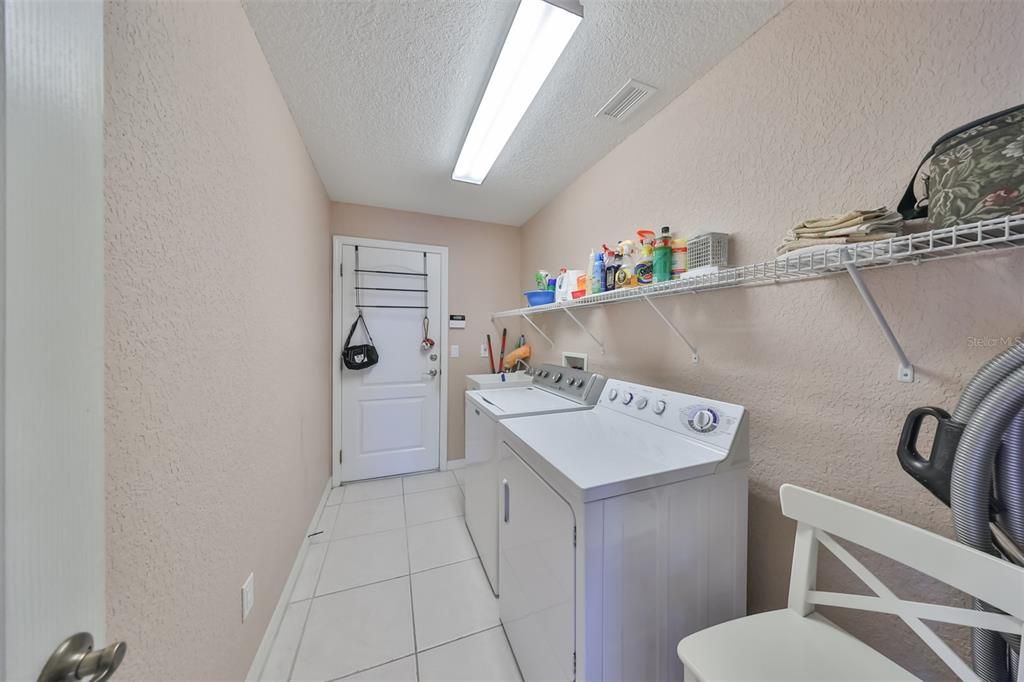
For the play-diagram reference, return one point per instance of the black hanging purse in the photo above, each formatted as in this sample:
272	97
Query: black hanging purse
362	355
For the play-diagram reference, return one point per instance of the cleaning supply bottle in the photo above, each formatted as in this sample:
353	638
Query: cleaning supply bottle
625	277
611	267
679	254
588	273
663	256
597	275
644	269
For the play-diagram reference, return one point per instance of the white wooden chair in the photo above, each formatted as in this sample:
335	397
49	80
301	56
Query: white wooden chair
798	644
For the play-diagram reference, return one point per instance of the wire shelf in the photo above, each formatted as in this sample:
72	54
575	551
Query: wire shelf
949	242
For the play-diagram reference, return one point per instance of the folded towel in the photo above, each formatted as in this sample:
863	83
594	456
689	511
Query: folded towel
843	220
849	228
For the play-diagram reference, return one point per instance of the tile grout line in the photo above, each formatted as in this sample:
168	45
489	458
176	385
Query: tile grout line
431	648
412	601
462	637
384	580
309	609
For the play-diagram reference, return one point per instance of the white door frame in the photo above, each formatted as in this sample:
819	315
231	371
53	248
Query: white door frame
338	334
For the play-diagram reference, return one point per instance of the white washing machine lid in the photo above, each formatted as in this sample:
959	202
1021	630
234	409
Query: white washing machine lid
502	403
601	453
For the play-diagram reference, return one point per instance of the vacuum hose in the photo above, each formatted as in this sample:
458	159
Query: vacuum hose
992	441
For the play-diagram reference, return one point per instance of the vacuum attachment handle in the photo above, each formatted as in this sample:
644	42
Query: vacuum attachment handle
935	472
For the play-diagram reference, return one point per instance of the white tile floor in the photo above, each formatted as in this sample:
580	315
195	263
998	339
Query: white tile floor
392	590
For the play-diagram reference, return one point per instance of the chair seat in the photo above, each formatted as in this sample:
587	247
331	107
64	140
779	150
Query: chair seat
782	645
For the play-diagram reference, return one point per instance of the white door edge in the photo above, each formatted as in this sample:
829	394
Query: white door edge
338	338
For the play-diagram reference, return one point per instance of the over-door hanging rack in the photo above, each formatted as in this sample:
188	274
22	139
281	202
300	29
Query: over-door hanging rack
393	272
360	306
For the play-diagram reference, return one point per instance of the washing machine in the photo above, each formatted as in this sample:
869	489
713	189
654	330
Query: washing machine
553	389
623	529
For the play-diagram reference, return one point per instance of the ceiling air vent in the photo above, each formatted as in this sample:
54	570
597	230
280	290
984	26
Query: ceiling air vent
626	100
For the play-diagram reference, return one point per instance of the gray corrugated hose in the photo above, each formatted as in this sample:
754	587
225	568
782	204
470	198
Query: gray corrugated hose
990	407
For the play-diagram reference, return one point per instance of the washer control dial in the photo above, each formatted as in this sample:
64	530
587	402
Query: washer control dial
627	398
613	394
659	407
702	419
557	377
641	403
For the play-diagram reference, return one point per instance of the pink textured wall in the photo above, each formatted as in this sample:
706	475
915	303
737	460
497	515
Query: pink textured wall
483	263
827	108
218	338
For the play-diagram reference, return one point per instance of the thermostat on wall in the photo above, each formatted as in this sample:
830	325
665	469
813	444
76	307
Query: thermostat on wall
456	321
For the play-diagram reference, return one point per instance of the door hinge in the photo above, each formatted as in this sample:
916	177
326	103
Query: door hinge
574	665
574	543
339	456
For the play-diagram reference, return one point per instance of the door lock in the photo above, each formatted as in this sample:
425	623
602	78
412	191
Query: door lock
74	659
433	356
432	372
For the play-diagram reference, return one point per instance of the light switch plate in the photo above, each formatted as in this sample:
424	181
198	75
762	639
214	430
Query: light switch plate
248	596
454	351
483	350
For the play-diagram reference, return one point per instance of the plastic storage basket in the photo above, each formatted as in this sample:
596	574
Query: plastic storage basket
710	248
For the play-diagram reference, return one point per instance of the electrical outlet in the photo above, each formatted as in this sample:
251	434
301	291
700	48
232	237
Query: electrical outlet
248	596
483	350
454	351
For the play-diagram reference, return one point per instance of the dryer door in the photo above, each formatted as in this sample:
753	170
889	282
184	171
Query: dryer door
537	563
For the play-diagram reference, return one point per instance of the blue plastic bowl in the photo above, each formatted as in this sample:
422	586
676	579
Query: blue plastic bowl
540	297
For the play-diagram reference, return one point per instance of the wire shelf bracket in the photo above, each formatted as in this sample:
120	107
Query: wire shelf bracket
584	328
694	355
537	329
905	373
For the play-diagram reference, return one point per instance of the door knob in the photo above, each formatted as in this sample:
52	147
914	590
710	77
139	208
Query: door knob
74	659
432	372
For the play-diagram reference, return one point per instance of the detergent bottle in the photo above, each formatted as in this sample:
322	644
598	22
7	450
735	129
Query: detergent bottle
645	262
597	276
663	256
679	258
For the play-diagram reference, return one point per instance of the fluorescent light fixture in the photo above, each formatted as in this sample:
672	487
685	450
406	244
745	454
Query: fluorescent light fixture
539	34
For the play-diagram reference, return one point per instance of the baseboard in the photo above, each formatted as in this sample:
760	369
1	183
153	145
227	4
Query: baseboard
456	463
260	659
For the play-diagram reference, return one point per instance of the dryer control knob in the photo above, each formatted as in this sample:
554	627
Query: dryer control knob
641	403
558	377
613	394
627	398
659	407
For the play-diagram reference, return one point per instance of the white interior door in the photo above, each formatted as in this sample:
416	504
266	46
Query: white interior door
51	274
391	412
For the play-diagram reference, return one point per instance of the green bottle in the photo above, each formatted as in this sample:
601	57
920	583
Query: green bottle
663	256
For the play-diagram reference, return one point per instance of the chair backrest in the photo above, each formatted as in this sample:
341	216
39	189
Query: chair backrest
989	578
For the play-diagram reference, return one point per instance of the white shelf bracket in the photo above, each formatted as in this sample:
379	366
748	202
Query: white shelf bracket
537	329
905	373
694	356
585	330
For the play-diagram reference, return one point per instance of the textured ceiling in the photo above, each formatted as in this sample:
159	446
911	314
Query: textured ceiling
383	92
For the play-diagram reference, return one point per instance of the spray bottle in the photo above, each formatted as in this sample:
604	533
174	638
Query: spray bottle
597	275
624	277
611	267
645	263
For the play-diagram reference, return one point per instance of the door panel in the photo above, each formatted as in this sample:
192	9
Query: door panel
482	489
537	569
51	274
390	413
